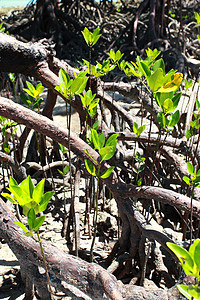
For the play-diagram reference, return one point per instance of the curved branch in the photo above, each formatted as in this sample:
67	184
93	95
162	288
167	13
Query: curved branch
119	189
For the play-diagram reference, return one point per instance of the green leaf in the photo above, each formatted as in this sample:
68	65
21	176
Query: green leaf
112	54
12	181
188	133
197	17
187	180
141	168
94	103
38	191
190	168
64	81
30	205
86	35
8	197
112	140
45	200
101	140
156	80
138	156
195	253
146	69
91	157
176	99
19	195
161	119
184	257
135	128
38	222
90	167
139	182
66	170
31	218
63	149
140	130
60	172
152	53
78	85
174	118
159	64
173	85
107	152
29	92
183	289
30	87
24	99
188	83
194	291
22	226
197	104
107	173
91	38
95	139
27	186
95	36
95	125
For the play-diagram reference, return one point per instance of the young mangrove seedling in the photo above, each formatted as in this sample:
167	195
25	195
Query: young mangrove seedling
194	182
33	201
106	151
190	261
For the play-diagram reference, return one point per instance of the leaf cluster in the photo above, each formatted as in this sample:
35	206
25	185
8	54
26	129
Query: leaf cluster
31	198
106	151
91	37
33	100
138	130
90	103
190	261
69	87
194	179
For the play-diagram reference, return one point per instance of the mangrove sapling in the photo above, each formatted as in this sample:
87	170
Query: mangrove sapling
161	87
194	182
190	262
33	201
106	151
90	103
69	88
33	101
138	130
91	39
140	160
5	126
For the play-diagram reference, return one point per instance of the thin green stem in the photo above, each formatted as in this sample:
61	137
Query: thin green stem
96	215
156	150
45	265
191	215
69	146
90	59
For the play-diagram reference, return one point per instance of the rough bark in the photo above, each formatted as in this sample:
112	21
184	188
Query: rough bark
119	189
